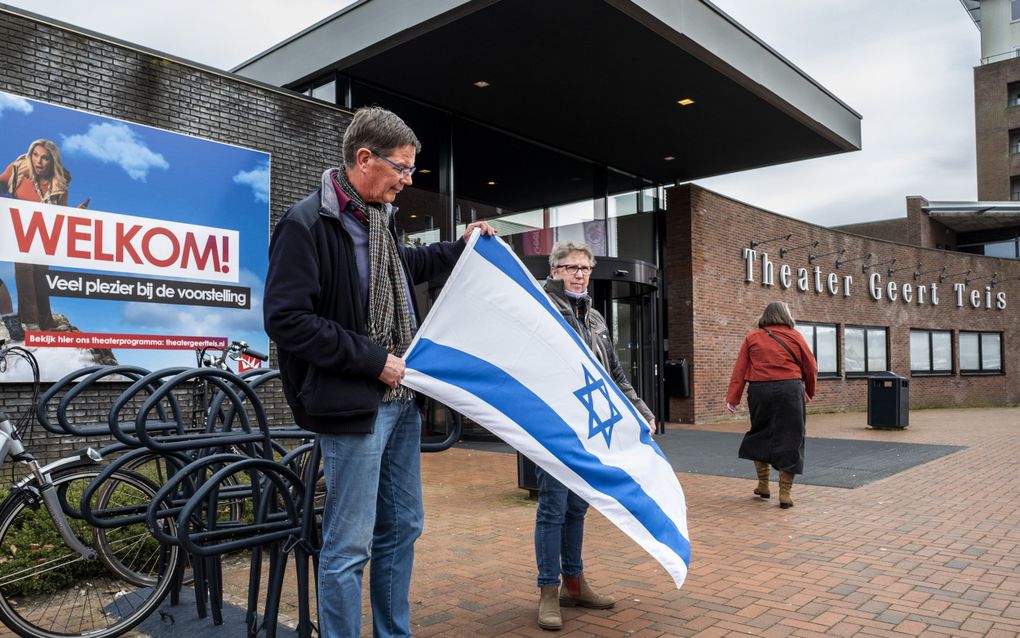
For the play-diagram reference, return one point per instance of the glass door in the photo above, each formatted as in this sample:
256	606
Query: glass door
630	311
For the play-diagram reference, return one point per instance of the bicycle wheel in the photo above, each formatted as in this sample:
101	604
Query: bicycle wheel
49	591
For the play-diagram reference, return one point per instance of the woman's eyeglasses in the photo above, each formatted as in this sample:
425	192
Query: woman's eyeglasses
574	269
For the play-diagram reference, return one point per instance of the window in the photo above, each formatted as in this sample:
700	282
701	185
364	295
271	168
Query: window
1014	140
822	339
864	350
323	88
1013	94
980	352
1014	7
931	352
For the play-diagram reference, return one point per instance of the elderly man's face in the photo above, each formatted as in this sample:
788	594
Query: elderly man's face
383	179
576	281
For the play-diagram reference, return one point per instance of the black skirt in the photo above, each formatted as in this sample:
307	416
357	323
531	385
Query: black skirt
777	425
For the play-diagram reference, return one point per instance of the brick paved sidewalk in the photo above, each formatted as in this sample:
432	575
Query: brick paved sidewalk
931	551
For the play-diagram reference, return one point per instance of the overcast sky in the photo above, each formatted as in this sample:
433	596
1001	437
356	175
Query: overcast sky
905	65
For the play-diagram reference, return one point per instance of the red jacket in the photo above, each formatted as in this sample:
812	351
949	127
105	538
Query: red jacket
761	358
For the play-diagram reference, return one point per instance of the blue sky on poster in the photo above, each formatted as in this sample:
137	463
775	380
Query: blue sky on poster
135	170
906	66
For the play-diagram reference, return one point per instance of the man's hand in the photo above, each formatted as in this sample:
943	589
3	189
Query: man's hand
393	372
732	408
486	229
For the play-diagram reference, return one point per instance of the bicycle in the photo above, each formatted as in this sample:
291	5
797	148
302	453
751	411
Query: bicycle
202	398
60	577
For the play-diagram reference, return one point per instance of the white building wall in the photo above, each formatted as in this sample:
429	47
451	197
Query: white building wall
1000	35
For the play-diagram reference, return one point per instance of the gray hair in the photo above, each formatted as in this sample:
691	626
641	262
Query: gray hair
777	313
563	248
379	130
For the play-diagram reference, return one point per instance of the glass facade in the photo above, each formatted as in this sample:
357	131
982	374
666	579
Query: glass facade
1008	248
532	194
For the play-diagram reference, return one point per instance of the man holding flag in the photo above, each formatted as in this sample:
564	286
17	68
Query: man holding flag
559	521
339	305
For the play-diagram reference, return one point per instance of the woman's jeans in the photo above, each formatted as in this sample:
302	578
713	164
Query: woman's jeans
559	530
373	509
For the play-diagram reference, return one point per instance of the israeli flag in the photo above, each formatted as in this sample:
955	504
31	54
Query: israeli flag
496	349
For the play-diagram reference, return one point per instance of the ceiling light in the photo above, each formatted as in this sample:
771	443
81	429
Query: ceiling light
424	171
685	102
481	84
491	183
413	216
669	158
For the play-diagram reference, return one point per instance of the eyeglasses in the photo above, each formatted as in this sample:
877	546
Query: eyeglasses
405	171
573	269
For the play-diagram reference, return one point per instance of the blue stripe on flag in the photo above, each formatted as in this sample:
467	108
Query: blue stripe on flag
522	406
499	256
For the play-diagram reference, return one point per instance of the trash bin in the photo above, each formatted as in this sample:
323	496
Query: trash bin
678	379
526	479
888	400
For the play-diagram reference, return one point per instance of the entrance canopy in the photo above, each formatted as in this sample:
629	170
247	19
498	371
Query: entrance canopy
967	217
605	80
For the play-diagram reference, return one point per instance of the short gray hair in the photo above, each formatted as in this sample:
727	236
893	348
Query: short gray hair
379	130
777	313
563	248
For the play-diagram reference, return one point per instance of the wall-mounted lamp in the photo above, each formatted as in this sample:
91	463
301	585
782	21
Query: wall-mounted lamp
783	252
889	271
755	242
944	276
993	281
941	271
812	257
840	262
866	267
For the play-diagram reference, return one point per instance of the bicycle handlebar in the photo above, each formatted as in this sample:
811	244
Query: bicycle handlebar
254	353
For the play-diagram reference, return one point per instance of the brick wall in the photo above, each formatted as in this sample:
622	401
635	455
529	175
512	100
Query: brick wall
888	229
993	119
56	65
722	307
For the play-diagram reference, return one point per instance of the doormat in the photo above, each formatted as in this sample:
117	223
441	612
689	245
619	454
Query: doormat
845	463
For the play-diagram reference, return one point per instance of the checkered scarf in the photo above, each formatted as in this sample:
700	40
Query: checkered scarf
390	323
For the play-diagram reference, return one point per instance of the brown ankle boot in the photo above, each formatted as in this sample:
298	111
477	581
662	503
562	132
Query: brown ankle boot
785	483
549	616
576	592
764	472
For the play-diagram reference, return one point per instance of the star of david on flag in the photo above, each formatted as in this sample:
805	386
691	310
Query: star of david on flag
518	369
587	396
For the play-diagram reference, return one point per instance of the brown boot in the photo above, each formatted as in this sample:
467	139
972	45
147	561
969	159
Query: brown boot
549	616
576	592
764	472
785	483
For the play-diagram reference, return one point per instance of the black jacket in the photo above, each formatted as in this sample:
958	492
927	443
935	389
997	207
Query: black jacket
314	312
591	325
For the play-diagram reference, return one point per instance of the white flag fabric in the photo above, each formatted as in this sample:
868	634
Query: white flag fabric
496	349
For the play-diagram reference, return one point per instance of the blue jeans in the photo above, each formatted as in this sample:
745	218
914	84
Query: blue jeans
559	530
373	510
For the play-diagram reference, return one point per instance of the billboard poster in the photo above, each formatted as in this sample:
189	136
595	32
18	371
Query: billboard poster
125	244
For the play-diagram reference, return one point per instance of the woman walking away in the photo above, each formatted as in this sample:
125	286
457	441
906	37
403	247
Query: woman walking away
778	365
